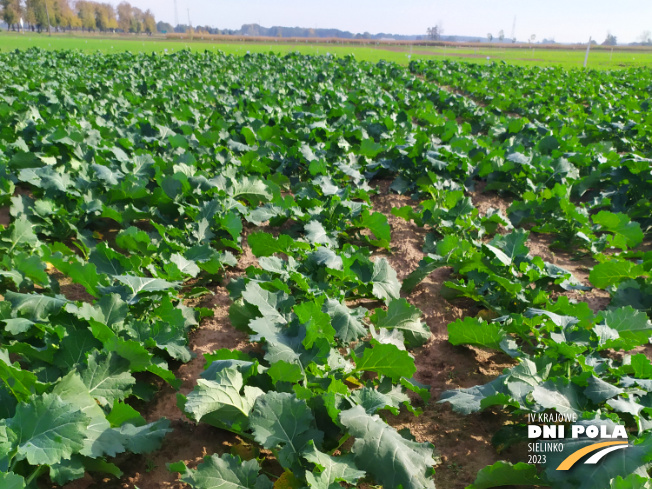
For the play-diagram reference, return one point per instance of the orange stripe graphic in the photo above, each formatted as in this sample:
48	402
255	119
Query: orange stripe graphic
575	456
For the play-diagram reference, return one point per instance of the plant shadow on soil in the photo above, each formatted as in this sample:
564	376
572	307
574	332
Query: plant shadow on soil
462	442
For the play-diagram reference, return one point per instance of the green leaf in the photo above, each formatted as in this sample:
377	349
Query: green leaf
317	323
36	307
370	148
506	474
107	377
10	480
385	283
22	233
100	440
384	454
21	383
632	481
7	446
475	331
218	401
611	272
316	234
144	285
264	244
512	245
386	359
377	224
469	400
330	470
226	472
599	391
268	303
251	189
620	224
186	267
49	430
403	316
558	394
632	326
347	322
281	371
282	420
146	438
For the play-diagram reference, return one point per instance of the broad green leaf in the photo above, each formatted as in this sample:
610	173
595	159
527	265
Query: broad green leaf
506	474
564	397
385	455
283	422
226	472
35	306
186	267
611	272
49	430
9	480
100	439
386	359
219	401
384	281
317	323
469	400
316	234
146	438
631	325
21	383
377	224
330	470
107	377
268	303
403	316
347	322
22	234
632	481
251	189
143	285
475	331
599	391
264	244
620	224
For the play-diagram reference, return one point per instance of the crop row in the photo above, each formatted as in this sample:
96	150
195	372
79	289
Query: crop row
134	178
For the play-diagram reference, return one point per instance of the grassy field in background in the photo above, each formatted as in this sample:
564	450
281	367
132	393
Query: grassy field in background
568	58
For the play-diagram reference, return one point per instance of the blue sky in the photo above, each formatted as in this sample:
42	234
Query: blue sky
562	20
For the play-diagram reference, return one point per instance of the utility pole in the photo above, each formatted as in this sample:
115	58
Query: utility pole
514	30
190	24
588	48
176	14
47	14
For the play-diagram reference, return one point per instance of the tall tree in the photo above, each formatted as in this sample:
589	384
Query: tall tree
11	12
86	14
125	16
646	37
136	21
610	40
149	22
36	14
105	17
63	15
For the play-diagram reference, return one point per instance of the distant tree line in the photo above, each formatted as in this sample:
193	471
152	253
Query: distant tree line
255	30
87	15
